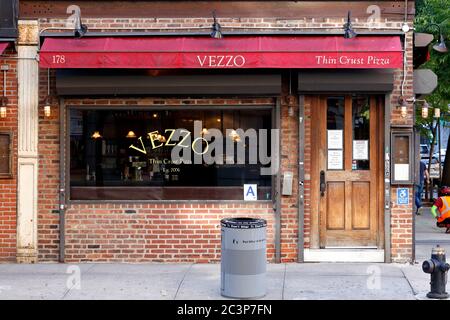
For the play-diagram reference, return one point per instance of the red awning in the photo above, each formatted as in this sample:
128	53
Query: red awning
3	46
228	52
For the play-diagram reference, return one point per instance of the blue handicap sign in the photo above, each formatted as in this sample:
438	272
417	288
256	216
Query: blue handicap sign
402	196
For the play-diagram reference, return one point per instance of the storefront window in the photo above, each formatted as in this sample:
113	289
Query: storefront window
128	154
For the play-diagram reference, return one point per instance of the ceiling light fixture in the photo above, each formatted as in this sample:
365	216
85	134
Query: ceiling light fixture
234	136
131	134
96	135
161	138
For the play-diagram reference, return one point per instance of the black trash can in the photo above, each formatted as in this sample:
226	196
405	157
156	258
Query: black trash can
244	262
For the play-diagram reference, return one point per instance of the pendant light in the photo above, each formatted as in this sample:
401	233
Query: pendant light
425	109
437	113
131	134
47	101
403	107
3	99
3	109
96	135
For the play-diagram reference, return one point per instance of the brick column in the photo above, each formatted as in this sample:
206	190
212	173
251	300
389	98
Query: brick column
28	102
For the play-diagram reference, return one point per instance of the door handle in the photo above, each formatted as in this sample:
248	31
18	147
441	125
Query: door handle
323	185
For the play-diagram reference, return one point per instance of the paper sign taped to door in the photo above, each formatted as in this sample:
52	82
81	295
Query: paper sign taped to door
360	150
335	160
334	139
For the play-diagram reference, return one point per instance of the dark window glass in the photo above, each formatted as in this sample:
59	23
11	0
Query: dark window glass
127	154
335	113
335	133
5	155
361	133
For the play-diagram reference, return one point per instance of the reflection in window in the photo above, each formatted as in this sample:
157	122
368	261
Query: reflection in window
335	113
361	132
103	166
335	133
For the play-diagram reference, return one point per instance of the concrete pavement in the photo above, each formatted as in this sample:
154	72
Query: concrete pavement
202	281
428	235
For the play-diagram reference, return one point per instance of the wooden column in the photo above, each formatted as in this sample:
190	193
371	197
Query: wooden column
28	102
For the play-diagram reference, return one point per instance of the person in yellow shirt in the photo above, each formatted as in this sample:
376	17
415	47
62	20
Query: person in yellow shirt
441	209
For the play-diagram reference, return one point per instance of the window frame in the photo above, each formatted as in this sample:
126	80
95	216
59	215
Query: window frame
65	138
407	133
9	174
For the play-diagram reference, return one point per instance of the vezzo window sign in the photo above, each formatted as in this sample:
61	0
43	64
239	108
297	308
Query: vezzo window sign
206	146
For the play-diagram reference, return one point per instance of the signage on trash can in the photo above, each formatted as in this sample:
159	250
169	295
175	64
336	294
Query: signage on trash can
402	196
250	192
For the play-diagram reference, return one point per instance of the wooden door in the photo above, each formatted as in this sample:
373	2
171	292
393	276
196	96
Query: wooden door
346	141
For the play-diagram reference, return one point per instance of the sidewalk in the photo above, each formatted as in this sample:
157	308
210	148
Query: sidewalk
428	235
202	281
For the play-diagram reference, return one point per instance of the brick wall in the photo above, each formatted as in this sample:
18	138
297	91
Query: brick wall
307	182
181	232
8	186
228	23
186	231
48	175
402	215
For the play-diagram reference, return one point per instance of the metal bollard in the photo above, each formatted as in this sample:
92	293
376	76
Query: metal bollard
438	269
